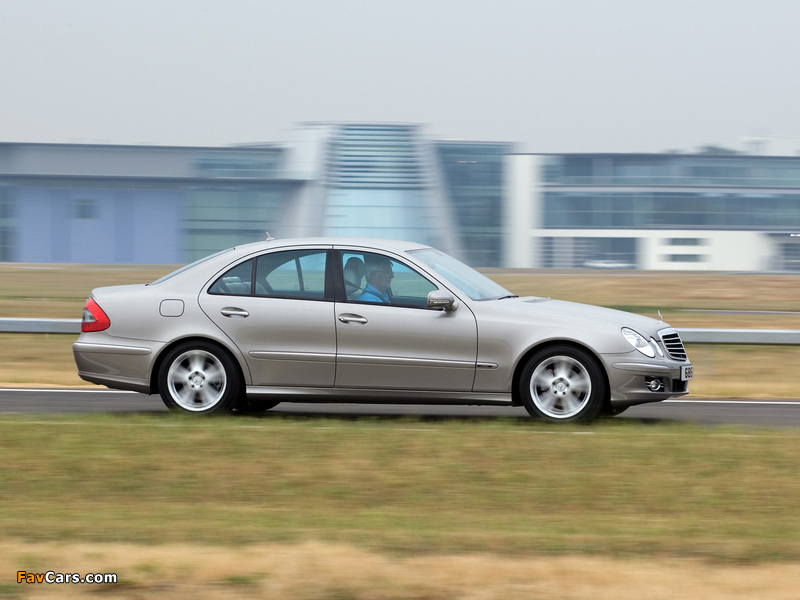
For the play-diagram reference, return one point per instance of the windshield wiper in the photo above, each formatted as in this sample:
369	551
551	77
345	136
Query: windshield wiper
509	296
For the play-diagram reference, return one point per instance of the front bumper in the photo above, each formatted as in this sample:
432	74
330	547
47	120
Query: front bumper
638	382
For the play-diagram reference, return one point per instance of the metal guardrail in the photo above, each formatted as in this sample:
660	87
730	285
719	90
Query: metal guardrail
766	337
40	325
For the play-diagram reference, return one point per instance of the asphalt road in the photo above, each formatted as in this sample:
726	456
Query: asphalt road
783	413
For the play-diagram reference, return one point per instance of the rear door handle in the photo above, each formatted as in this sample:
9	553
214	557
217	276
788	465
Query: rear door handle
351	318
231	311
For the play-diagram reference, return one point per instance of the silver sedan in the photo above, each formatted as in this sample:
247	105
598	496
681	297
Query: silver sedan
357	320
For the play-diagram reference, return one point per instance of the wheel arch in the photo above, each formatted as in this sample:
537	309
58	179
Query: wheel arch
520	366
154	387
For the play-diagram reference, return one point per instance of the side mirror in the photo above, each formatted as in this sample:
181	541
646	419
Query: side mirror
442	299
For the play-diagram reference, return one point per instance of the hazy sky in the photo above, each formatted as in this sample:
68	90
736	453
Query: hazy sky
554	76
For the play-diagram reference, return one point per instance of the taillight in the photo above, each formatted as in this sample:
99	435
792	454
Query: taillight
94	319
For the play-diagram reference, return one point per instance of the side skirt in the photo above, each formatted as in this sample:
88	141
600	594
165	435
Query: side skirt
311	394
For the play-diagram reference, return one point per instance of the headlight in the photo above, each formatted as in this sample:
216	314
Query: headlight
638	342
655	345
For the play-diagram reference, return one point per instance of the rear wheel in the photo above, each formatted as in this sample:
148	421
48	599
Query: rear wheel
199	378
562	384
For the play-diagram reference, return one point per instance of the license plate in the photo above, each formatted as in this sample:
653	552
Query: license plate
687	372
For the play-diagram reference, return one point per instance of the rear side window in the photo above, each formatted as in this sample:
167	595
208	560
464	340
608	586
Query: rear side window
291	274
238	281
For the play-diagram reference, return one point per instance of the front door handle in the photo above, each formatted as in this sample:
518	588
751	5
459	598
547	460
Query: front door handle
231	311
351	318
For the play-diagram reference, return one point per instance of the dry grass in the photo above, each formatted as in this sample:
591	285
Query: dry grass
403	486
673	290
313	571
258	533
59	291
392	510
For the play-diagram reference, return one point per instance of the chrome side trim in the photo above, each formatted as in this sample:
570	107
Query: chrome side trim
641	367
110	349
361	359
301	356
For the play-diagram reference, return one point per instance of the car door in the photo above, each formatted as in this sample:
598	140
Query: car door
392	340
276	309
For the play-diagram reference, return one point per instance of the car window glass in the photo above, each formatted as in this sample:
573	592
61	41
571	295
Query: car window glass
467	279
237	281
375	278
292	274
189	266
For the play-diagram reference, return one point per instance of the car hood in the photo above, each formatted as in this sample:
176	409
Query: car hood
548	311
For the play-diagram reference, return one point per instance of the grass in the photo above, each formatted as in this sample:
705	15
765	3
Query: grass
296	509
315	571
685	299
299	508
403	487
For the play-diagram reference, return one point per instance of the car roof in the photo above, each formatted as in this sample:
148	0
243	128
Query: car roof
376	243
211	264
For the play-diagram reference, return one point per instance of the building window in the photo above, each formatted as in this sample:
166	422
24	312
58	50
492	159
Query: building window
685	242
84	209
685	258
6	245
6	209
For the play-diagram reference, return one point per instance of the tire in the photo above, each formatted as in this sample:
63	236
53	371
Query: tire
199	378
256	405
563	384
613	411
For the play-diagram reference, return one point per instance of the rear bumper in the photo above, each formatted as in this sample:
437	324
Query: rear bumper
122	367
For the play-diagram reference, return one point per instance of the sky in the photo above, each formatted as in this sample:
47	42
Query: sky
550	75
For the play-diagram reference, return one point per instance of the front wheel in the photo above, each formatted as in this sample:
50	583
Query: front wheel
199	378
562	384
256	405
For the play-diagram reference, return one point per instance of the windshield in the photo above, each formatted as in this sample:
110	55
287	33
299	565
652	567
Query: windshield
468	280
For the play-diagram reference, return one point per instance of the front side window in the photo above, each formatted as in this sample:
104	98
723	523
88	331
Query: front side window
378	279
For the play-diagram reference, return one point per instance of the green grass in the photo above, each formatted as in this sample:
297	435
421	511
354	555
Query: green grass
403	486
376	508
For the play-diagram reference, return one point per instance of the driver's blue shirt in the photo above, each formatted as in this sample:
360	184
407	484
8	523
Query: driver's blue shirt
371	294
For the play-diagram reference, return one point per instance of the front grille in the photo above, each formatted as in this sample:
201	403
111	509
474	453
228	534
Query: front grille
673	344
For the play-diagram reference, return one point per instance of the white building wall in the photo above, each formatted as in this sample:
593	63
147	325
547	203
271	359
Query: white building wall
660	250
523	209
717	251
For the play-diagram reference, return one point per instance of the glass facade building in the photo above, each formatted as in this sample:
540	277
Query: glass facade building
389	180
474	179
480	201
377	184
672	191
665	211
